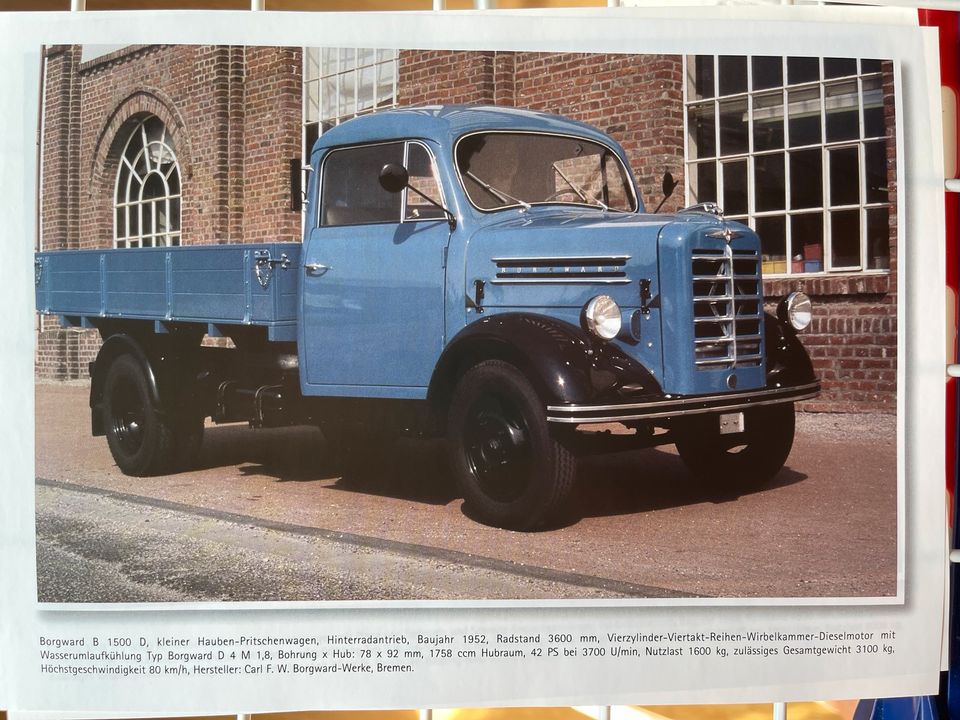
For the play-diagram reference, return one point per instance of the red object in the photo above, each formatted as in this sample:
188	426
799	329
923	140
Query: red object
947	23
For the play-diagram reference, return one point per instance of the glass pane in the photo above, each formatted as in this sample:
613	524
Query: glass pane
703	183
175	214
347	102
121	215
154	187
134	215
801	70
328	61
312	91
839	67
806	179
769	182
873	122
140	165
735	188
870	66
154	129
311	64
773	242
875	162
845	239
806	240
422	178
878	238
767	72
842	111
146	219
366	56
162	217
733	127
351	192
386	55
702	81
733	74
348	59
328	98
701	123
768	122
386	74
368	80
804	123
844	176
312	132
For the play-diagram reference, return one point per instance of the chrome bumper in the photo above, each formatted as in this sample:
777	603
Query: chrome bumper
674	407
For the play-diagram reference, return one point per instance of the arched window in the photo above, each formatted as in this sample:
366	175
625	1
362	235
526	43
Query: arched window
147	197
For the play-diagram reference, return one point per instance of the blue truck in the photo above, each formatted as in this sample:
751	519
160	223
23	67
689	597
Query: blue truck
485	274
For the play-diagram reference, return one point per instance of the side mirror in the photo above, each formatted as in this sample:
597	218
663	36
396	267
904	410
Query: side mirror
394	177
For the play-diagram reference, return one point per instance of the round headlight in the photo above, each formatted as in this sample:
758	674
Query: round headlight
797	310
602	317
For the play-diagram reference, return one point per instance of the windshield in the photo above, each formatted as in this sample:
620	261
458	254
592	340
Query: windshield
501	169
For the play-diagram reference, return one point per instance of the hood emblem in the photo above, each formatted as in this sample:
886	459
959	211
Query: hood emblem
726	235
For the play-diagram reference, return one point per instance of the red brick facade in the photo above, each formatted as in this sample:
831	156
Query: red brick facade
235	117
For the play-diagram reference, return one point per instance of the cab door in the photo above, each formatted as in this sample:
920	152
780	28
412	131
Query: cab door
372	318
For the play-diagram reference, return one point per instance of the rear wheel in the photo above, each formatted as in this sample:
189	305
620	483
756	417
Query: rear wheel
511	471
738	460
143	439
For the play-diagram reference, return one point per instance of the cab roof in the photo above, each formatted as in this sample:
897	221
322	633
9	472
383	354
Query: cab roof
446	123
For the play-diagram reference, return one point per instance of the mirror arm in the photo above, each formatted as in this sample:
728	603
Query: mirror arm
450	217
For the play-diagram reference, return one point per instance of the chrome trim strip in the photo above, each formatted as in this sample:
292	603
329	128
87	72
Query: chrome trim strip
561	281
675	413
691	400
578	259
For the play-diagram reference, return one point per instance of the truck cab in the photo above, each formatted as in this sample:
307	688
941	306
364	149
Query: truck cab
491	275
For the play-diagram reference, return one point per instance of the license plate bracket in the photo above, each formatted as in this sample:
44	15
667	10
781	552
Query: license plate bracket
731	423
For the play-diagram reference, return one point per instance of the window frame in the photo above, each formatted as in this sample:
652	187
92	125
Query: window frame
867	81
127	169
401	219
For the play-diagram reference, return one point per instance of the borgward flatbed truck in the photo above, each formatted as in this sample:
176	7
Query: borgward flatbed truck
486	274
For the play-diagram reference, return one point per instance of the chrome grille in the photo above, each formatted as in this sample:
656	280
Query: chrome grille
727	308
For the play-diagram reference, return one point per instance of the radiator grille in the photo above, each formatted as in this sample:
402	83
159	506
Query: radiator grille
727	308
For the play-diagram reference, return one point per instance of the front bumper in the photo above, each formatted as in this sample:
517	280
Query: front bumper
680	405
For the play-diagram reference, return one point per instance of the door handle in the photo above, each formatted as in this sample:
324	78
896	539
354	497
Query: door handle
316	268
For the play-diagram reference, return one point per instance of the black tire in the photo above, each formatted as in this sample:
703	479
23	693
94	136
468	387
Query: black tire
511	471
738	461
142	439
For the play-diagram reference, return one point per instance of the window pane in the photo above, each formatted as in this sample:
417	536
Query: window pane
839	67
703	183
843	116
385	77
806	240
311	133
845	238
311	64
769	185
767	72
768	122
368	81
173	181
422	178
134	221
385	55
702	84
366	56
175	214
312	92
735	188
121	222
875	160
328	98
733	74
328	61
347	104
804	123
801	70
701	123
733	127
878	238
806	179
870	66
844	176
351	193
348	59
873	122
773	242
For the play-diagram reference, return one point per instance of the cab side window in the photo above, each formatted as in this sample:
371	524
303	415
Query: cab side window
351	193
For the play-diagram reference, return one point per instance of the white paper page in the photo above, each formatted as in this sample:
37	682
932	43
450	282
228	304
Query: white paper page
553	652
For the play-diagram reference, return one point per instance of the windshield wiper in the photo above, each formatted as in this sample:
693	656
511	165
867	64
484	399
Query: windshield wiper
583	193
499	194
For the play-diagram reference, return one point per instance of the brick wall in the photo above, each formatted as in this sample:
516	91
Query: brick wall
234	117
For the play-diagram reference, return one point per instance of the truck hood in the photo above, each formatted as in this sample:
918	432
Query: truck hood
575	252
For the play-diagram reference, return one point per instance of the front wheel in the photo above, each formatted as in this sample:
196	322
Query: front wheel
511	471
738	460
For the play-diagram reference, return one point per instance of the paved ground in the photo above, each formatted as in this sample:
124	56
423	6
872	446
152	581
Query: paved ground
267	517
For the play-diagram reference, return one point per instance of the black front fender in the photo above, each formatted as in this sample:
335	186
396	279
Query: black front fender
565	364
